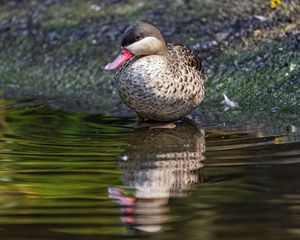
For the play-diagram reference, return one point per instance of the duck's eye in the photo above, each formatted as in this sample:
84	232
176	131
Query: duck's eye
138	37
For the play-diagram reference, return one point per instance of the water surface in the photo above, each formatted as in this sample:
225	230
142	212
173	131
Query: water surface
68	175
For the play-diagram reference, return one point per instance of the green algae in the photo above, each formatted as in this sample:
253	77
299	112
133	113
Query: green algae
265	76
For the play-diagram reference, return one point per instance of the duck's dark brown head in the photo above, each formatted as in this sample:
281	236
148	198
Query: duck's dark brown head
141	39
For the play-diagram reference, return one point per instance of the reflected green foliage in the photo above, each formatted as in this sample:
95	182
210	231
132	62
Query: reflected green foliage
67	175
41	141
55	162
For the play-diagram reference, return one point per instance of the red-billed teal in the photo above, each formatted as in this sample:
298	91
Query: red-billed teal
159	81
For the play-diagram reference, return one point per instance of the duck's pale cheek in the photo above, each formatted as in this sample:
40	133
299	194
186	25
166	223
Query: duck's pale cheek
123	57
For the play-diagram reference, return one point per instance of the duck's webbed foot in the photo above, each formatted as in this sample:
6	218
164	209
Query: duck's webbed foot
144	123
163	125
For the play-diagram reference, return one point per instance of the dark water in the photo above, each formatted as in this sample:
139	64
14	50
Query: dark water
67	175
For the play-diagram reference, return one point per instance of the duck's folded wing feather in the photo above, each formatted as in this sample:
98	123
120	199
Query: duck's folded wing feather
183	54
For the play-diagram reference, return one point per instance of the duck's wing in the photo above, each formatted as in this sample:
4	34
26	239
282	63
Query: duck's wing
183	54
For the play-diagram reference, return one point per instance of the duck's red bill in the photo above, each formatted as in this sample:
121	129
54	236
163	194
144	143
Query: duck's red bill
123	57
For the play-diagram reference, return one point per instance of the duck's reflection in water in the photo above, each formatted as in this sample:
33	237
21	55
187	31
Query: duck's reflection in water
158	164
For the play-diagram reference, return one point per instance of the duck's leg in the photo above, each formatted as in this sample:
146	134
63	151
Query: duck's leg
140	119
141	122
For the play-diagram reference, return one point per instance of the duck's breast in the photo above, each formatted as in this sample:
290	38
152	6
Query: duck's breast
144	80
151	85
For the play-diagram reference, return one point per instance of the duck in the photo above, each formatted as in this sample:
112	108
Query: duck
159	81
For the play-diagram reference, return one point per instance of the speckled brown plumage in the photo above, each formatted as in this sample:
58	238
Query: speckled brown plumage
163	86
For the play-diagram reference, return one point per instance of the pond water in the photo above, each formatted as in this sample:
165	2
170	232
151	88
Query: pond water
68	175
